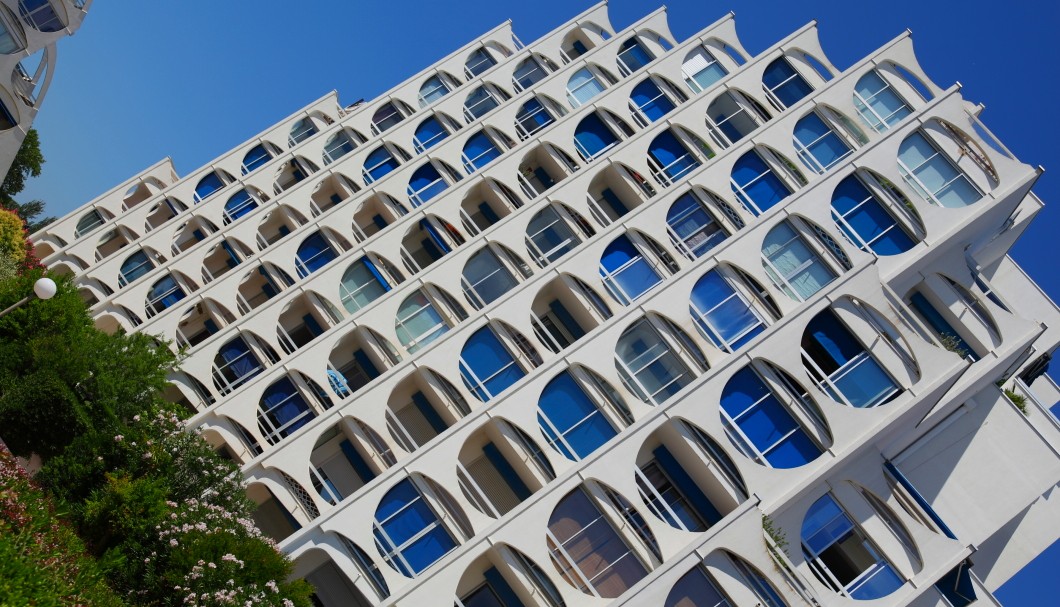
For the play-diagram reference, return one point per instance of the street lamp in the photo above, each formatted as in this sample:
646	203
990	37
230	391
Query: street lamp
44	288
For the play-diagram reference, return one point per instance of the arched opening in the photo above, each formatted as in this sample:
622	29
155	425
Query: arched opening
200	321
427	241
346	457
305	318
222	257
542	168
499	467
615	191
260	285
330	192
734	115
361	356
632	265
276	224
487	203
423	405
564	310
376	213
505	577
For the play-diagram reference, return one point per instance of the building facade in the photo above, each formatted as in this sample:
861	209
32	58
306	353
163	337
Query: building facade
29	30
521	331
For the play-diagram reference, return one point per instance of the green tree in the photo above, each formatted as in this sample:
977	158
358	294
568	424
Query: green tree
27	163
119	460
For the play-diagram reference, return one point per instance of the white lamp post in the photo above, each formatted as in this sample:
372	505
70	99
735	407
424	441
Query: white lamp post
44	288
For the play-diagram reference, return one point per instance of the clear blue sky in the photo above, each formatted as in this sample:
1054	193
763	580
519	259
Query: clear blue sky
192	79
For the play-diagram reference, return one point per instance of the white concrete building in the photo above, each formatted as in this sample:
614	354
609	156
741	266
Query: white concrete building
29	30
522	330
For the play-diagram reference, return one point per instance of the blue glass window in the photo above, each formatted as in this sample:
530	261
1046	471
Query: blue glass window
758	582
570	419
361	285
425	184
632	56
486	366
239	205
88	222
479	102
386	117
337	146
479	61
701	70
434	89
735	115
479	151
877	102
163	294
696	589
649	365
314	253
626	272
865	221
533	117
207	186
792	265
485	278
549	236
408	532
933	175
819	147
134	266
377	164
582	87
302	130
256	157
786	84
672	160
527	73
761	426
282	411
692	228
842	557
651	102
841	366
235	365
755	183
418	322
430	132
592	137
722	314
41	15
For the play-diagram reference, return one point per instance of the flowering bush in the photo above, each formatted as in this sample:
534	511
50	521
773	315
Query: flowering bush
42	562
174	518
211	556
14	242
151	501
